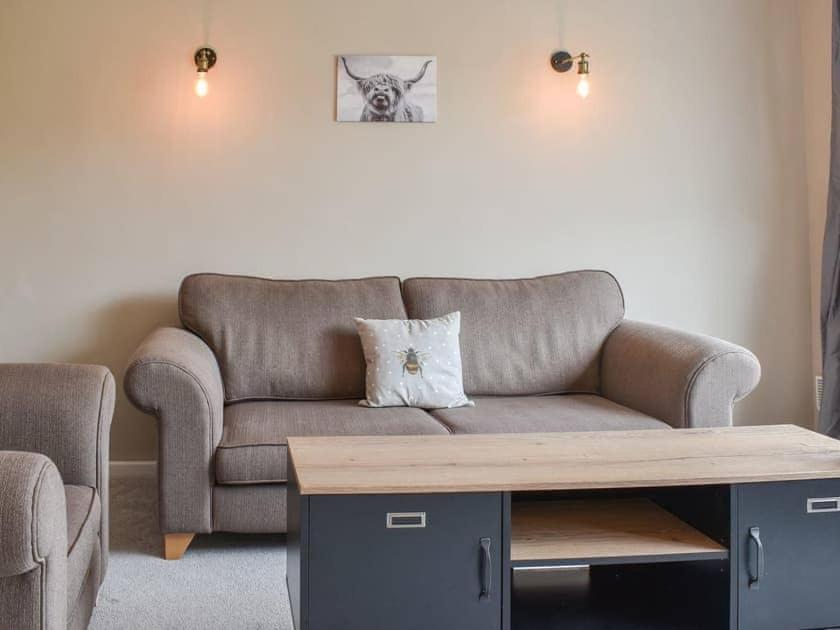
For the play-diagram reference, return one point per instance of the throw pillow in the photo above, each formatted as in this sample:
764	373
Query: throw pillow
413	362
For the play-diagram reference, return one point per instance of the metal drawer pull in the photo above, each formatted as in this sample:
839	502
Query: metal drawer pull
755	539
824	504
405	520
486	569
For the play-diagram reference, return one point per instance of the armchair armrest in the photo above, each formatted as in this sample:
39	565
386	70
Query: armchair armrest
32	512
685	379
33	531
174	376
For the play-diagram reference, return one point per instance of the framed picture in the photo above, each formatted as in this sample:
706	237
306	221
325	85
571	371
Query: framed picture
386	88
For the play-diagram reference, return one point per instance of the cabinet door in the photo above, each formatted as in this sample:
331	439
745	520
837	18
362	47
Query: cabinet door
405	561
789	555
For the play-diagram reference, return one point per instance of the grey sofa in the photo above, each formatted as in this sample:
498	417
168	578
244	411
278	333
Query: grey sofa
54	430
259	360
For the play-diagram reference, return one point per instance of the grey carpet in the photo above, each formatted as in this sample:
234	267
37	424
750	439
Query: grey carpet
224	581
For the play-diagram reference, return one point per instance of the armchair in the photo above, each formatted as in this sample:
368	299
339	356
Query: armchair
54	433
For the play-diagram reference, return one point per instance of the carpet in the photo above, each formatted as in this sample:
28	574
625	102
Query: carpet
225	581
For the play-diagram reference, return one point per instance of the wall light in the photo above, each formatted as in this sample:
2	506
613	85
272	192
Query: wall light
562	61
205	58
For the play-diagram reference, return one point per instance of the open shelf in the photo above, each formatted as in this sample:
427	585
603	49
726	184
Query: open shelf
671	596
604	531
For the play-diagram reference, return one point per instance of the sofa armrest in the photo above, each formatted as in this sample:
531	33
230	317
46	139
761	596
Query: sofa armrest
685	379
174	376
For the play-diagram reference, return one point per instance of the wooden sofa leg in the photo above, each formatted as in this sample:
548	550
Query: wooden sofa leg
175	545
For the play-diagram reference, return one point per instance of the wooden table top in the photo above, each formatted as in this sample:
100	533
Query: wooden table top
561	461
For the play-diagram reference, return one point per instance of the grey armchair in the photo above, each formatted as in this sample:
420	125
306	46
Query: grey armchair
55	424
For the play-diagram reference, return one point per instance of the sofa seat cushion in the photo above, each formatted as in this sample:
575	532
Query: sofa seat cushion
83	515
544	414
254	448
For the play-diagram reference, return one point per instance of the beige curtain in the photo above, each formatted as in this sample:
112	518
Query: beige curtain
830	303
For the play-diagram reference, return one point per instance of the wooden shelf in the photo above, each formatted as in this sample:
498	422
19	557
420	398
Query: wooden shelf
604	531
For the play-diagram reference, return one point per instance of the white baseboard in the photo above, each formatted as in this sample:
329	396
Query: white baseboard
134	470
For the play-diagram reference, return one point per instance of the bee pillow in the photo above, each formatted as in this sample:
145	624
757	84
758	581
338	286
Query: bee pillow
413	362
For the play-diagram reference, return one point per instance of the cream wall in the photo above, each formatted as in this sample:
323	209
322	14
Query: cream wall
683	173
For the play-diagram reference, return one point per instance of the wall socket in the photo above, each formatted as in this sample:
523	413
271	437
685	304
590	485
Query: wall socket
819	391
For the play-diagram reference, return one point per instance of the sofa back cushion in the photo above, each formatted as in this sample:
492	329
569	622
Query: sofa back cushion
519	337
286	339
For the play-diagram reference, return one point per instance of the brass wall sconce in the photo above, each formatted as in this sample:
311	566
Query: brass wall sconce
562	61
205	58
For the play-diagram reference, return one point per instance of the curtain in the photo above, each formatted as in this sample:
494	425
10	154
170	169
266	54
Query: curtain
829	421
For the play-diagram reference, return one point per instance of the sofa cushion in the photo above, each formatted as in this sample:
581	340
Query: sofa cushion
519	337
544	414
413	362
83	513
291	339
254	448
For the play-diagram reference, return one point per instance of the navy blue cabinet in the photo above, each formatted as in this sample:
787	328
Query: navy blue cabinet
788	556
443	561
412	562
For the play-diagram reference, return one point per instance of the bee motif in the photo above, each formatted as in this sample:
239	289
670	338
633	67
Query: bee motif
412	361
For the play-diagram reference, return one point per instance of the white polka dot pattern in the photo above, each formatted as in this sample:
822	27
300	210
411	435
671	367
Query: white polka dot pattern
413	362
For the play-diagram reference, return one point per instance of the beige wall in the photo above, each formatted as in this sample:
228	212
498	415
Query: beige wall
683	173
815	21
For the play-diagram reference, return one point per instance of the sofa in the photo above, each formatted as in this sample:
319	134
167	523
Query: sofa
54	432
258	360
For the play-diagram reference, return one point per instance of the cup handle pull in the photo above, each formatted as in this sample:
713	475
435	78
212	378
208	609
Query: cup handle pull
755	541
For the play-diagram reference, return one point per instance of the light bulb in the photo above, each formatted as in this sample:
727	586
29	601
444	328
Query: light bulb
201	84
583	86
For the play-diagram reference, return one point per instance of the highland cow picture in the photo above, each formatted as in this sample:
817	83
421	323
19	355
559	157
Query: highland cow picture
386	88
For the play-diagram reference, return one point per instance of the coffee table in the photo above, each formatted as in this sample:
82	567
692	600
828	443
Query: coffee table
696	528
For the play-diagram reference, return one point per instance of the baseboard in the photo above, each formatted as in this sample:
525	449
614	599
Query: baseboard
134	470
